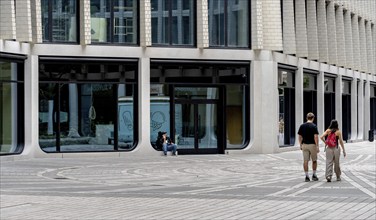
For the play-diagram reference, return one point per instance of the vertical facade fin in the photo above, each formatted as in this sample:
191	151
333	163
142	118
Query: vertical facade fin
313	45
202	24
145	23
332	36
288	27
301	29
8	20
322	31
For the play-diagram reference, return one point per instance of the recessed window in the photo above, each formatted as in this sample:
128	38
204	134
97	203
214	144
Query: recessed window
60	20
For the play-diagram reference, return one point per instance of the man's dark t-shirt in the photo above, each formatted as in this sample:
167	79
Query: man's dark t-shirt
308	131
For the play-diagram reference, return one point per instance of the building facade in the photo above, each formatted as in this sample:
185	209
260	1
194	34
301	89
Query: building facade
220	76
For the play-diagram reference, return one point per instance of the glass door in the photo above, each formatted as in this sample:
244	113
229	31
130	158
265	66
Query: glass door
196	127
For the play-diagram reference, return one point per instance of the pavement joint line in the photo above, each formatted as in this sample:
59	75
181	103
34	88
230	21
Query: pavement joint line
352	182
307	189
357	175
354	160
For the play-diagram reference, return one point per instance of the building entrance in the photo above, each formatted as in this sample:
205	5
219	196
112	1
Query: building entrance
197	121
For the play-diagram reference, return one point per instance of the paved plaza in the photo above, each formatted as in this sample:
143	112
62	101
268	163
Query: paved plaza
254	186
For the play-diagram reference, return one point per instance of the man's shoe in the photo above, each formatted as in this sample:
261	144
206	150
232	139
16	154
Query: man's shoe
328	179
338	178
314	178
307	179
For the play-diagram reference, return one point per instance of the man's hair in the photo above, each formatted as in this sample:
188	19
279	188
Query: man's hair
310	116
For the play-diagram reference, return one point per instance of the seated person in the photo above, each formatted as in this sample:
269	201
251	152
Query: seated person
166	143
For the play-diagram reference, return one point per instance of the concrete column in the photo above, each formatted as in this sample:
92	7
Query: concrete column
301	29
361	131
73	111
354	109
321	102
313	45
31	148
202	24
299	102
289	44
367	107
145	23
322	31
332	35
144	145
338	100
8	20
265	106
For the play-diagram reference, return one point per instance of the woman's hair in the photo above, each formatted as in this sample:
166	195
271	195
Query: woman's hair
333	125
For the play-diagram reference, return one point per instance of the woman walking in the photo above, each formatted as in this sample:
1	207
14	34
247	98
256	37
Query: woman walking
333	137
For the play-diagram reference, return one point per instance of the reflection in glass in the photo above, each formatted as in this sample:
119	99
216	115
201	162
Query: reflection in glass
173	22
235	110
114	21
8	107
79	114
59	20
228	23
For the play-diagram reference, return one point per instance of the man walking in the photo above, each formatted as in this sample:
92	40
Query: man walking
309	144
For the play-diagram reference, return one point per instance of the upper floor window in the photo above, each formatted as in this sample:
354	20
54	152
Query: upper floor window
60	20
114	21
173	22
229	23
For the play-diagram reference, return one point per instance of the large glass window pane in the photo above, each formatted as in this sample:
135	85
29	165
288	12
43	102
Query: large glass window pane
286	122
237	23
91	108
228	23
114	21
173	22
235	110
10	89
59	20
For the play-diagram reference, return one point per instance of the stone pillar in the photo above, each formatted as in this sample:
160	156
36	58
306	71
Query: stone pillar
299	102
370	52
367	106
338	99
361	131
354	109
73	111
321	102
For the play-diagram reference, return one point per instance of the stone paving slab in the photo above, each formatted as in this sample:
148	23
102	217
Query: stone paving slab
263	186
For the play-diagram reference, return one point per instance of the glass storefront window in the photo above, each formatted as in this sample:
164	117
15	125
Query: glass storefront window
286	122
59	20
173	22
186	100
11	107
114	21
87	106
228	23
